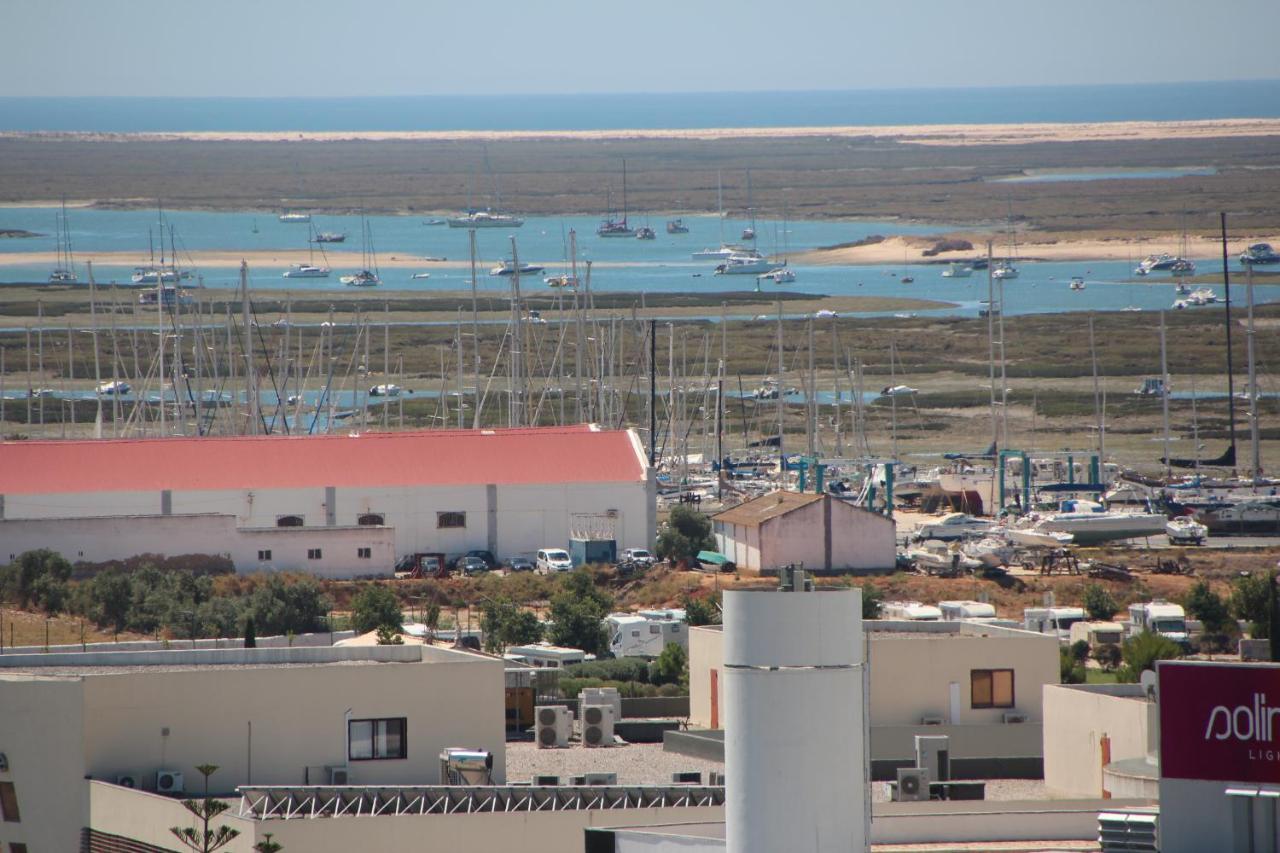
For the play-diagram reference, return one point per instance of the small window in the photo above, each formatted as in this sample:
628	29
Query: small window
451	519
364	553
313	553
376	740
991	688
654	629
289	521
371	519
264	555
9	802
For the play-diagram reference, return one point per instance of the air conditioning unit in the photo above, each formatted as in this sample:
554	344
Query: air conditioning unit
913	785
1014	717
931	720
545	781
687	777
597	725
600	779
168	782
338	774
128	780
553	726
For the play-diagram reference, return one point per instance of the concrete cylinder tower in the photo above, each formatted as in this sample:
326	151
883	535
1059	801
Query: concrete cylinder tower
795	746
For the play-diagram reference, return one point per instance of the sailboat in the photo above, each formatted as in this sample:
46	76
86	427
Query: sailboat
309	269
1006	269
725	250
490	217
611	227
65	272
289	216
368	275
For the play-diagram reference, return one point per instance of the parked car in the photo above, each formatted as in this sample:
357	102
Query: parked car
520	564
470	565
553	560
639	556
490	561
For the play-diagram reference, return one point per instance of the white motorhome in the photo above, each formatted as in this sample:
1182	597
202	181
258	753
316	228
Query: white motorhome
1097	633
1159	617
635	636
1052	620
545	655
967	611
910	611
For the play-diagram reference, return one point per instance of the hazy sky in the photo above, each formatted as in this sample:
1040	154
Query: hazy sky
406	47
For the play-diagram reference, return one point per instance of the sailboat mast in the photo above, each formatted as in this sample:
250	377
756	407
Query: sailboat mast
250	372
624	193
1097	401
1255	454
1164	397
782	454
991	350
720	202
475	328
1226	317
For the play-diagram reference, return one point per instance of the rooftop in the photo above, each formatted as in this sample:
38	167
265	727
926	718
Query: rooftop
574	454
759	510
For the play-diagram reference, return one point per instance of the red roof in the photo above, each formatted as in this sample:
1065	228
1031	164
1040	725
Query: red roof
576	454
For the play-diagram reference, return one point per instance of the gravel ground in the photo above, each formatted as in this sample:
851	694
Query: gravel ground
637	764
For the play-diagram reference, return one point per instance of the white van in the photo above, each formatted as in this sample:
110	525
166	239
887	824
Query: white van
551	560
1052	620
1159	617
1097	633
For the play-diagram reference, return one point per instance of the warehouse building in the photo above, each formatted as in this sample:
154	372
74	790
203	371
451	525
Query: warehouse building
822	532
336	506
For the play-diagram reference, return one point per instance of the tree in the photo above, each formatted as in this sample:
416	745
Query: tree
1141	651
36	577
1206	605
504	623
701	611
296	605
872	598
1099	603
1251	600
1070	669
388	636
577	611
205	840
375	607
671	667
686	532
1107	655
250	633
433	617
266	845
110	598
1079	650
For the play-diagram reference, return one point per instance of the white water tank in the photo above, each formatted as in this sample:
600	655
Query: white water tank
795	722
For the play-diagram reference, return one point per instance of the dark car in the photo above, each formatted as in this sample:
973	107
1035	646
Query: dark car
471	565
490	562
520	564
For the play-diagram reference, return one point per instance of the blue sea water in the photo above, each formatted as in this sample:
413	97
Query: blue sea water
1156	102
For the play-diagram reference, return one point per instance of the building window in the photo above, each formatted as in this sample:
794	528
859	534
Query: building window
371	519
374	740
9	802
451	519
289	521
313	553
991	688
17	848
364	553
264	555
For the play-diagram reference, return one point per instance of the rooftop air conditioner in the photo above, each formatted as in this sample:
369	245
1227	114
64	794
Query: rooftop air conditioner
127	780
597	725
687	777
600	779
913	784
168	782
553	724
544	781
931	720
338	774
1014	717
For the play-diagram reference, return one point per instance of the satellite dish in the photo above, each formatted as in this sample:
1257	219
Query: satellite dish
1148	681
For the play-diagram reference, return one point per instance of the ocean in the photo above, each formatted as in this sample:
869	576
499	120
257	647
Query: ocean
1153	102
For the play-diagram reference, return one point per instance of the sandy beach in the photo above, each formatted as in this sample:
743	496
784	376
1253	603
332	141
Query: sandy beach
938	134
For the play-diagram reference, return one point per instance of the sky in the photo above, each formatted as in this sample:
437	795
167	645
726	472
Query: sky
185	48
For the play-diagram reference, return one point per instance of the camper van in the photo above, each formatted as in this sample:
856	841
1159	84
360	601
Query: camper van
635	636
910	611
967	611
1159	617
545	655
1052	620
1097	633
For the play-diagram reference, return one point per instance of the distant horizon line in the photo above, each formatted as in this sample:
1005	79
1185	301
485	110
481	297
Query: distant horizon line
634	93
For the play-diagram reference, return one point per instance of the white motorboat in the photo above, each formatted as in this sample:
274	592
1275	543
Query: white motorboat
115	387
957	271
953	525
288	216
153	275
507	267
782	276
1091	522
644	232
991	551
1004	270
1077	283
722	254
677	226
1185	530
1259	253
306	271
385	390
561	281
1028	537
936	555
745	264
422	275
485	219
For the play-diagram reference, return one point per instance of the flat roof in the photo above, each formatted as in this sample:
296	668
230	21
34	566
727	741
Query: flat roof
572	454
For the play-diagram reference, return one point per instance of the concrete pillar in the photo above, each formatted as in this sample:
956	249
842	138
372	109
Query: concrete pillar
795	722
491	518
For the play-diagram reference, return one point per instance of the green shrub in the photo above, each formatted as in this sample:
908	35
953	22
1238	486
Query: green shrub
1141	651
1099	603
375	607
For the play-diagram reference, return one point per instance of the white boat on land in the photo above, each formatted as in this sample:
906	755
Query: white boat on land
957	271
1185	530
385	390
953	525
991	551
485	219
1029	537
1091	522
288	216
306	271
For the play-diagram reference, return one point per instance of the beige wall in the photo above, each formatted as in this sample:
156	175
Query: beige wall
910	675
41	734
1075	720
140	816
859	540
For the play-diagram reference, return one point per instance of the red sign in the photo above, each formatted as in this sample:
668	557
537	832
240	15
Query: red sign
1219	722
